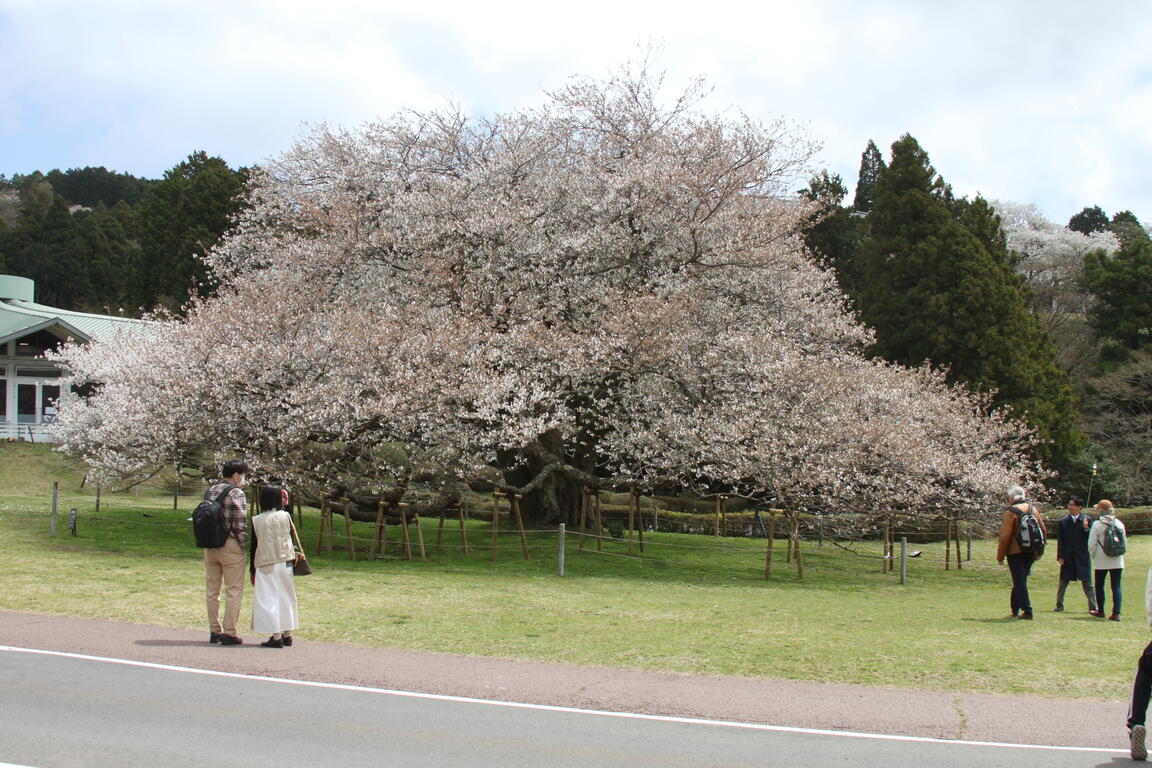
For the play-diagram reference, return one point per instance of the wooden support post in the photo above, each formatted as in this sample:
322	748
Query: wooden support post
599	521
97	499
948	545
496	496
463	530
796	544
419	535
956	531
583	516
891	546
771	541
325	525
885	553
631	517
788	548
440	529
347	502
380	534
718	503
639	517
520	523
404	530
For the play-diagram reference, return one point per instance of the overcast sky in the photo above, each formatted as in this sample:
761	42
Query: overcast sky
1046	102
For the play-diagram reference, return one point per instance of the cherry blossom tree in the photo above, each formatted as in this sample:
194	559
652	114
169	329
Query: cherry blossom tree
607	290
1051	259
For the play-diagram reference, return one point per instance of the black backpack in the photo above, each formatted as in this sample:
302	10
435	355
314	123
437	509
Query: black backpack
1113	541
1030	533
208	523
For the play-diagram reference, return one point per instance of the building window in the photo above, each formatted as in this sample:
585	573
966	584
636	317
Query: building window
36	344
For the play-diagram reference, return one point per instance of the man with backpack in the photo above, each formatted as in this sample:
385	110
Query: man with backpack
221	516
1022	536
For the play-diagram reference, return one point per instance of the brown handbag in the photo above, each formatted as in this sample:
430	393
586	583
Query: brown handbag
300	566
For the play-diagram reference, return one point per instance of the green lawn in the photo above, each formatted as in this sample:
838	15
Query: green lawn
692	604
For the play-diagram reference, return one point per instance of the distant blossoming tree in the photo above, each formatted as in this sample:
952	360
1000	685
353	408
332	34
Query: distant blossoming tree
606	290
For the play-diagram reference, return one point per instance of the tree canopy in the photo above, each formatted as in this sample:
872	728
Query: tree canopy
608	289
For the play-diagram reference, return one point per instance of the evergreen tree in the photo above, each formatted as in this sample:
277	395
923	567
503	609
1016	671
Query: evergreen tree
58	260
833	233
183	216
1089	220
938	287
92	186
871	166
1127	228
1122	287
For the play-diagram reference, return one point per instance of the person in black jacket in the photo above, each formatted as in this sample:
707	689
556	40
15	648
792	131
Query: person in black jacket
1072	553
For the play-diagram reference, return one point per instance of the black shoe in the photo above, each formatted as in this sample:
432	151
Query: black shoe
1059	608
272	642
286	639
230	640
214	637
1026	616
1114	617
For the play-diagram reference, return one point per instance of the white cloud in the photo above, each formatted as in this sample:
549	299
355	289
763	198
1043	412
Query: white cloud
1044	102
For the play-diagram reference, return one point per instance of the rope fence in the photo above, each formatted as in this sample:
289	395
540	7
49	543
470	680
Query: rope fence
463	533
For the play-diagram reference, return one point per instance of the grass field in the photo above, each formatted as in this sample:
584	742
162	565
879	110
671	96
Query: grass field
691	604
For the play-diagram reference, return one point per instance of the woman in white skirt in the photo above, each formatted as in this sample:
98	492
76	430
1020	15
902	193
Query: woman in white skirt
274	596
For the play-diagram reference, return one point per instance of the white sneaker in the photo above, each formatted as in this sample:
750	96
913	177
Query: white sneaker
1136	737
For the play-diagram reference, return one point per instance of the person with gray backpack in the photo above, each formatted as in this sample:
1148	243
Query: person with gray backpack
1021	543
1107	543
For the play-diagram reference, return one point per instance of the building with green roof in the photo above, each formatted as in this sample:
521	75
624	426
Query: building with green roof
30	384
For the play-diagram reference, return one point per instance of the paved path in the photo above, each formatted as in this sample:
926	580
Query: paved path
971	717
62	710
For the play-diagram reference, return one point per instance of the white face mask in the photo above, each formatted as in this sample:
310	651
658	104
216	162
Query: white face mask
243	480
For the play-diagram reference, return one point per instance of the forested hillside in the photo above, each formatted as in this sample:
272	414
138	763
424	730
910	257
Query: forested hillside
96	240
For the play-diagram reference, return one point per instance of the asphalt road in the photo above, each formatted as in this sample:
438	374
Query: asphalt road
63	709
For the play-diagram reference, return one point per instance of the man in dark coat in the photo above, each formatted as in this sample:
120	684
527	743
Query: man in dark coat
1072	552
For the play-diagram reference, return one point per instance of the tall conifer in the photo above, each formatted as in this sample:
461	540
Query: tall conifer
871	166
938	287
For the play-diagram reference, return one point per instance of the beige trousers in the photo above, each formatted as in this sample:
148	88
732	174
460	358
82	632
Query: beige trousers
224	566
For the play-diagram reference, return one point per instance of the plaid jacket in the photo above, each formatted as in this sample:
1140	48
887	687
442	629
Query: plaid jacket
235	515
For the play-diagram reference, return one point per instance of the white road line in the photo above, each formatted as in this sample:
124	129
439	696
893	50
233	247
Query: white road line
551	708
